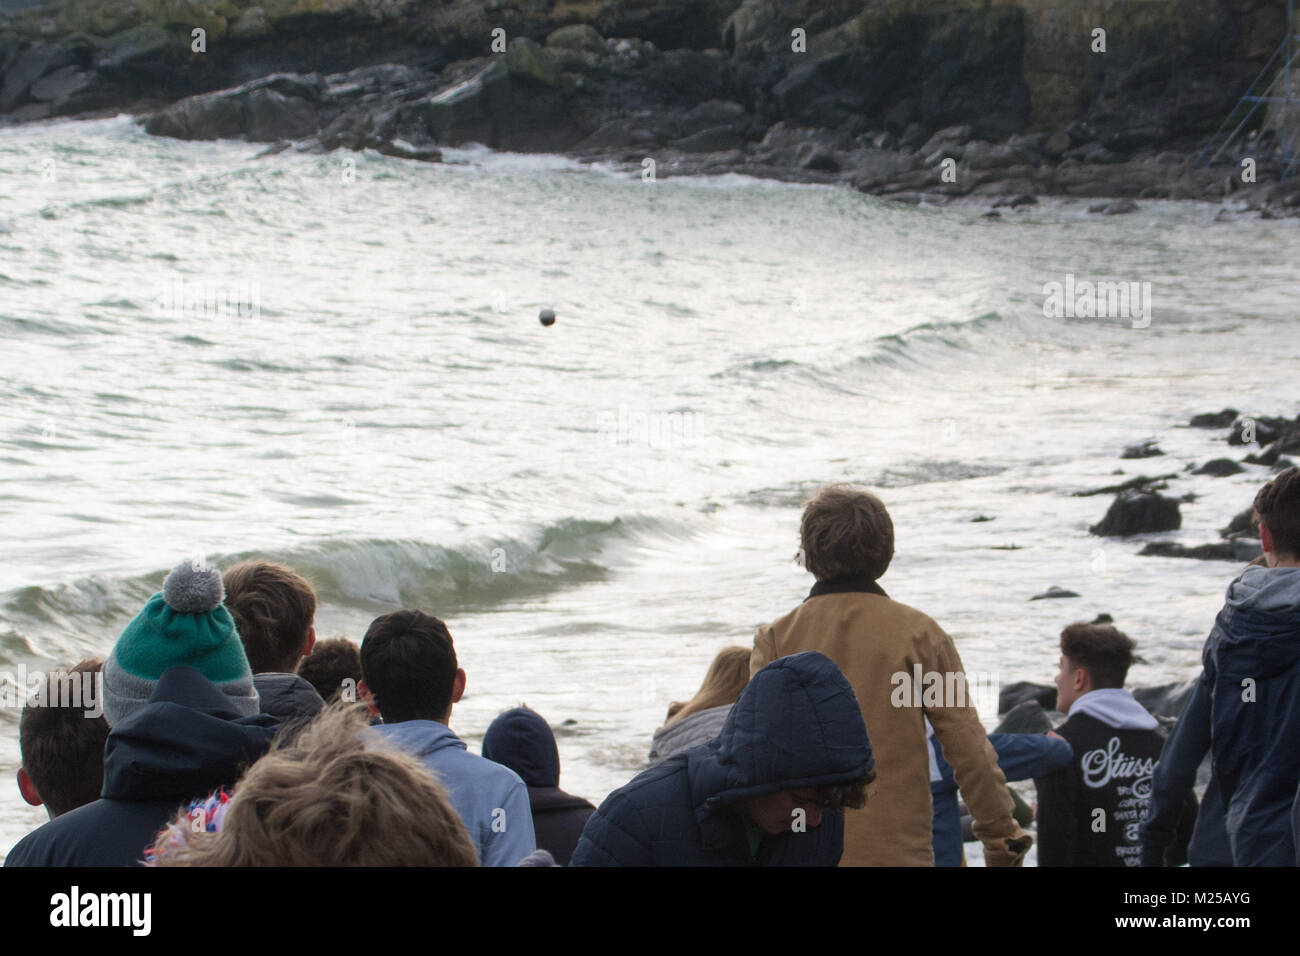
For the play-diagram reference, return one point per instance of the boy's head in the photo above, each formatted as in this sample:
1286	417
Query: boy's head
329	664
408	665
334	796
775	812
61	736
846	531
1093	657
273	607
1277	512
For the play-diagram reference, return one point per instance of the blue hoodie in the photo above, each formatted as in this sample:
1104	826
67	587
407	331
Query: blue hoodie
796	725
183	744
1252	665
491	799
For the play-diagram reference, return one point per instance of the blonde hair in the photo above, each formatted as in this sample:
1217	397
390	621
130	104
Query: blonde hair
727	677
336	795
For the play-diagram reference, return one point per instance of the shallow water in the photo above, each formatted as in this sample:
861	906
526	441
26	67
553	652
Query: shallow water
362	389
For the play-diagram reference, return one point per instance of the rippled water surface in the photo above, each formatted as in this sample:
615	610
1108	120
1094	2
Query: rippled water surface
336	361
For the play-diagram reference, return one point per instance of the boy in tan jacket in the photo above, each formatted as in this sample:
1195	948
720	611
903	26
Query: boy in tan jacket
883	647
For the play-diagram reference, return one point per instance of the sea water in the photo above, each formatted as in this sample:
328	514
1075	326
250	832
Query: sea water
335	361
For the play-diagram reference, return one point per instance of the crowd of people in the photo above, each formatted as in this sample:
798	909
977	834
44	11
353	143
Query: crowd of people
230	737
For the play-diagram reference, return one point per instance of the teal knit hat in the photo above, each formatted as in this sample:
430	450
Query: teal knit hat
185	623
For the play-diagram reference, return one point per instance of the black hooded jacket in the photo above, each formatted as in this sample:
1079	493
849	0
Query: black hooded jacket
287	696
521	740
183	744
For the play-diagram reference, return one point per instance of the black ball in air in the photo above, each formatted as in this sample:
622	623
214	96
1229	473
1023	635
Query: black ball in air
547	317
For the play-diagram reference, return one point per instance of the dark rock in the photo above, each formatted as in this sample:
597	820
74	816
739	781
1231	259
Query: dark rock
1265	430
1221	419
913	136
1219	467
1243	550
271	116
1117	207
1021	199
1054	592
947	138
1142	483
131	48
62	84
1147	449
712	114
1241	525
981	155
710	141
28	67
1103	618
1165	700
1013	695
1028	716
885	140
818	157
406	151
1136	512
991	214
979	518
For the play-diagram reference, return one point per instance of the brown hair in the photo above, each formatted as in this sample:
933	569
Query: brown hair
727	677
273	607
1105	652
62	748
329	664
1277	507
336	795
846	530
846	796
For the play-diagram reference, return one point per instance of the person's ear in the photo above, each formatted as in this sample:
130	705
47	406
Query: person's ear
458	685
28	789
311	641
364	694
1266	539
1081	680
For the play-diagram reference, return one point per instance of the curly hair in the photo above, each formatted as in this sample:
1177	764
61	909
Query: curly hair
335	795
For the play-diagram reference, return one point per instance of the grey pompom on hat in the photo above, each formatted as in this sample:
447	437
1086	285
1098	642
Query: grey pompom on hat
193	588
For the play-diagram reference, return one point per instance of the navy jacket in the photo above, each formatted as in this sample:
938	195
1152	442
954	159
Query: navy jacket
521	740
183	744
1020	756
287	696
797	725
1252	664
1176	774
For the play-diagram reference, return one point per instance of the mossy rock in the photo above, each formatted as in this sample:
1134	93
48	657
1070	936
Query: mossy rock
528	59
579	36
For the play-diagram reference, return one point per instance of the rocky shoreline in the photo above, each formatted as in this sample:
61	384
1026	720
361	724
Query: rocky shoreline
695	109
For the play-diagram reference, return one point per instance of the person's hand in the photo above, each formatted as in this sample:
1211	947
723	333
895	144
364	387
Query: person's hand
1008	851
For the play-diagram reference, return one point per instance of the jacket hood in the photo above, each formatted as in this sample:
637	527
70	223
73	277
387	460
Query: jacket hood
186	741
421	737
521	740
1260	622
287	696
797	724
1114	707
